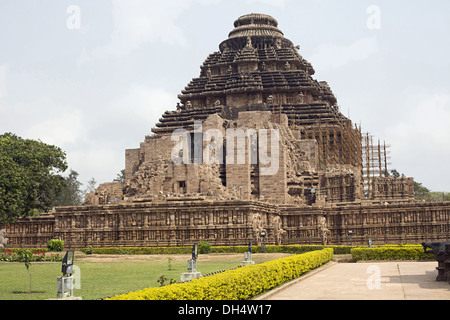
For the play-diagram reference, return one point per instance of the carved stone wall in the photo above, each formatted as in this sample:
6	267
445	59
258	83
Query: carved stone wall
384	224
33	232
182	223
173	223
390	188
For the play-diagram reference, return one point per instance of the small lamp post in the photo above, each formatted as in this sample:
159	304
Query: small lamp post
195	251
65	283
67	264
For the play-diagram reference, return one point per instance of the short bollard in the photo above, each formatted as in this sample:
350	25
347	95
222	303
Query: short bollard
192	267
64	287
248	256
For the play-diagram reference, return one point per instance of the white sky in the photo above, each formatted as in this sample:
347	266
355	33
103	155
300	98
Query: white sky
96	85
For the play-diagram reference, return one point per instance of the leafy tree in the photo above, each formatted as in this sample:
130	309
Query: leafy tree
91	185
29	176
421	192
26	257
120	177
395	173
71	194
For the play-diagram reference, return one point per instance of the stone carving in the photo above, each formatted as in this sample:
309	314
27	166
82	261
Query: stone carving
323	231
301	97
287	66
249	43
278	43
441	251
3	238
278	230
256	223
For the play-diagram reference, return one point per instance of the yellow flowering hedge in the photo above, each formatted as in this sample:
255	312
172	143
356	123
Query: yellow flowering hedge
239	284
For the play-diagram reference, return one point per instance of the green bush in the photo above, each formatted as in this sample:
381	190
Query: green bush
410	252
55	245
238	284
204	247
88	250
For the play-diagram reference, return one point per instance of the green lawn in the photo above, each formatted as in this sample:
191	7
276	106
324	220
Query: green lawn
98	279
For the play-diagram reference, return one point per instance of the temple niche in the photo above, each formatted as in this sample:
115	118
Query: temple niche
258	82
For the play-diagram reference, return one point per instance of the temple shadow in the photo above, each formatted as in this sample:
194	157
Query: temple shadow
425	281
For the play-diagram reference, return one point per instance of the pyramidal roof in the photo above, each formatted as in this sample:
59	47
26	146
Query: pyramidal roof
256	37
255	24
255	61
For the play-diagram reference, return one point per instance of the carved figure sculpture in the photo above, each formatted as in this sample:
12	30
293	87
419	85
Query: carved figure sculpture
324	232
3	238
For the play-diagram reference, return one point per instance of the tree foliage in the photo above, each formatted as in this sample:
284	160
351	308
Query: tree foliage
91	185
30	179
421	192
120	176
71	193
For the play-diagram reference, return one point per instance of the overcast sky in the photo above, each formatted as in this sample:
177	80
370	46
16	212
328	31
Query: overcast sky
94	76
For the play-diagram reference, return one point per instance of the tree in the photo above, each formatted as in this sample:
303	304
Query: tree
91	186
30	179
120	177
395	173
421	192
71	194
26	257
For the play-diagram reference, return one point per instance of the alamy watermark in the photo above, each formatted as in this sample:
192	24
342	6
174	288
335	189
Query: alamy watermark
73	22
242	146
374	18
373	282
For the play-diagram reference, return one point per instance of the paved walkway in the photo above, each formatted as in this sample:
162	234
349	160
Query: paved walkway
366	281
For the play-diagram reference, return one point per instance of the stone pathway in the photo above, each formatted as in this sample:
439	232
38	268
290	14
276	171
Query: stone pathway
366	281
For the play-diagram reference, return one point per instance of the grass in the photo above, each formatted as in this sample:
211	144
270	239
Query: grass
101	279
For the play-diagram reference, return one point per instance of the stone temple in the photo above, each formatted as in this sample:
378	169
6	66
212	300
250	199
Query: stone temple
254	144
258	80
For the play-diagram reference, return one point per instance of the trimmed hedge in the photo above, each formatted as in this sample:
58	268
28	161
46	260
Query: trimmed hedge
239	284
295	249
55	245
410	252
